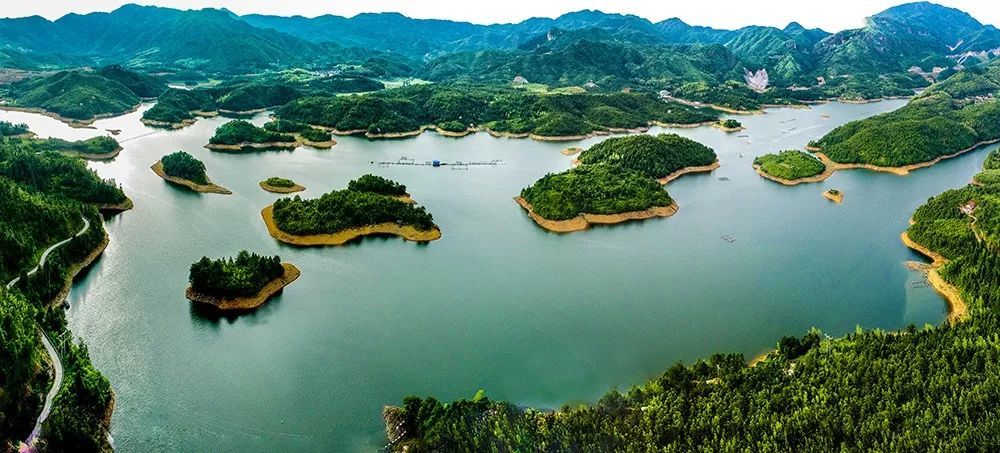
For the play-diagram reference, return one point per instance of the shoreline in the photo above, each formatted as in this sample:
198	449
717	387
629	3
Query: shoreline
183	123
406	232
247	146
72	122
497	134
699	169
117	208
836	198
827	172
275	189
901	170
75	268
728	129
247	303
584	221
957	309
97	157
201	188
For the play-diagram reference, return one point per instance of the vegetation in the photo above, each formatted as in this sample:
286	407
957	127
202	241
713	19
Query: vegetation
377	185
8	129
942	121
790	165
78	95
94	146
243	276
275	181
730	123
180	164
40	197
142	85
499	109
341	210
176	105
304	130
594	189
238	132
652	156
316	135
918	389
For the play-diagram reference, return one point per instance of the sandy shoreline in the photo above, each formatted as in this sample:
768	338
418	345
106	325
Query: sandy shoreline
406	232
836	198
728	129
247	146
677	174
584	221
571	151
203	188
957	309
250	302
275	189
97	157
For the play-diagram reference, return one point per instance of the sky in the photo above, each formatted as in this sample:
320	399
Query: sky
831	16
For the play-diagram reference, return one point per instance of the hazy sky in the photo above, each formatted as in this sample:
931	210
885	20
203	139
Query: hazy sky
829	15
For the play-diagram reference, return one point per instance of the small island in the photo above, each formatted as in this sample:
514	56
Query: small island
340	216
571	151
791	167
185	170
308	135
664	157
239	284
834	195
729	125
240	135
280	185
594	194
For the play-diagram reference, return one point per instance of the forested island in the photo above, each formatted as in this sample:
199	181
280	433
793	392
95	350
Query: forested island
729	125
594	194
791	167
47	198
280	185
341	216
82	96
183	169
95	148
714	402
500	111
239	284
664	157
240	135
952	117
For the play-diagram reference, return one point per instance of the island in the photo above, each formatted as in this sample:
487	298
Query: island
72	96
238	284
594	194
729	125
185	170
95	148
834	195
791	167
379	185
240	135
177	108
950	118
340	216
280	185
664	157
308	135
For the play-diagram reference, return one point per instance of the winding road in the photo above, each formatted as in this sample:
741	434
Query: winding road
57	382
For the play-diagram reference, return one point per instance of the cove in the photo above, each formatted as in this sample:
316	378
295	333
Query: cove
498	304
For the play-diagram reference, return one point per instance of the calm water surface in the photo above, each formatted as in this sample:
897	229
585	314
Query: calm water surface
498	304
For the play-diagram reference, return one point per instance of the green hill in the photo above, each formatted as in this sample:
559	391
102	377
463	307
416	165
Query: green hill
652	156
78	95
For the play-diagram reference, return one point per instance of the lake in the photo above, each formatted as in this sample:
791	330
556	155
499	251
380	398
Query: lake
536	318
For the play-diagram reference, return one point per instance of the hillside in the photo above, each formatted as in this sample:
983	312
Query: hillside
76	95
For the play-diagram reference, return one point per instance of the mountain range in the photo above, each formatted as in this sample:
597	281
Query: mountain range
390	44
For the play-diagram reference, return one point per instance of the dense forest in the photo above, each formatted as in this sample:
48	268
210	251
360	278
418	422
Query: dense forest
594	189
789	164
304	130
503	110
952	116
378	185
83	94
8	129
177	105
919	389
653	156
183	165
40	197
237	132
344	209
242	276
94	146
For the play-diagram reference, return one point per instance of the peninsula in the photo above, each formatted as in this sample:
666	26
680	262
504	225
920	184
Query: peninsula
341	216
239	284
185	170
